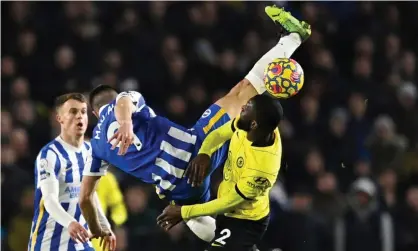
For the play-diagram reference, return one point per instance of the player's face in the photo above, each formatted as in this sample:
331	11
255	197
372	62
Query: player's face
246	120
73	117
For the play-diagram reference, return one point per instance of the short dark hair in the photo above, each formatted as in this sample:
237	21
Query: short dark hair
94	98
269	112
60	100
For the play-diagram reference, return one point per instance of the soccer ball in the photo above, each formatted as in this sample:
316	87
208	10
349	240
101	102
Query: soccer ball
283	78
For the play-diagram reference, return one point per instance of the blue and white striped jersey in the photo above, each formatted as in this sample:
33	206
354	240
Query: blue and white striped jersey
61	161
159	155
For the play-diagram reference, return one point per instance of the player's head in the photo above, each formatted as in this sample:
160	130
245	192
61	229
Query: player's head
100	96
71	111
261	113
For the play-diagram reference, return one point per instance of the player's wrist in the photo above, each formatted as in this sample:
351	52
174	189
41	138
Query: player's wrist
70	222
185	212
125	122
204	153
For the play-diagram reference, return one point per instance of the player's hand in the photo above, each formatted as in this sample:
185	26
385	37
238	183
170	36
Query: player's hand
197	169
170	217
108	242
77	232
123	136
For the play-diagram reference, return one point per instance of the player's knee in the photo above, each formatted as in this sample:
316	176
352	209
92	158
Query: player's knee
203	227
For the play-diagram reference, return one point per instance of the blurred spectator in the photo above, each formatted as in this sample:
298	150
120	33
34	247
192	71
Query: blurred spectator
328	203
362	168
335	143
388	183
359	125
177	67
405	112
364	47
408	66
19	142
19	89
28	115
176	107
364	226
6	124
407	219
386	147
8	71
308	122
64	71
314	165
296	228
250	51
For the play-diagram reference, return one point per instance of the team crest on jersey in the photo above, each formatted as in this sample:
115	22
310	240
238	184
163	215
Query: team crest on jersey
206	113
43	163
240	162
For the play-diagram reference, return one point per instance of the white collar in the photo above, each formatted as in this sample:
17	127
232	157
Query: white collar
67	145
101	108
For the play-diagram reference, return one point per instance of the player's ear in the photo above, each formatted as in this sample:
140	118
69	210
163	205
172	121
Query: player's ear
253	125
58	118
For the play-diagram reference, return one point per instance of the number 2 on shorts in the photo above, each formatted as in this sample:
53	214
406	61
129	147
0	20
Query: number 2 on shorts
226	233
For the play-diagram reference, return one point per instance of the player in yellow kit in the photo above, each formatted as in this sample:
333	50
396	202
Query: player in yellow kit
250	171
111	200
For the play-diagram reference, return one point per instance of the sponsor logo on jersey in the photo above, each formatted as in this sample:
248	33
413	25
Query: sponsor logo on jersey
43	164
259	183
44	175
206	113
262	181
73	191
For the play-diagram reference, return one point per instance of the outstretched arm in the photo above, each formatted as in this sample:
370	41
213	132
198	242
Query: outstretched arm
218	206
88	204
174	214
197	170
218	137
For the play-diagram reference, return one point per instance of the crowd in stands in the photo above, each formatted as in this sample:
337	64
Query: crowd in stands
349	175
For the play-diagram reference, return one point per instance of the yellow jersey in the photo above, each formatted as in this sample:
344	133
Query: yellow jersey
251	171
249	174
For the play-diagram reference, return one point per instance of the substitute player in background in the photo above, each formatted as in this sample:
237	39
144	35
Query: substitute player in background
58	223
250	171
130	136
